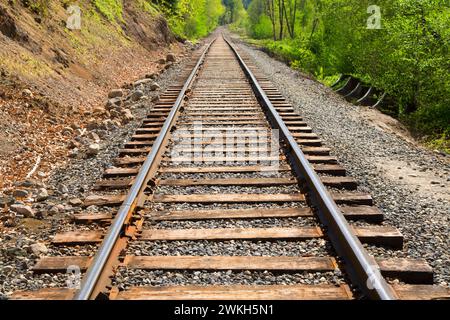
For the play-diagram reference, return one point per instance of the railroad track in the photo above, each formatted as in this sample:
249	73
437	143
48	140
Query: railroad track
223	163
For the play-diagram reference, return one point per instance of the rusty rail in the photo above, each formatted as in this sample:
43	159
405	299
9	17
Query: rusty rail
96	268
363	271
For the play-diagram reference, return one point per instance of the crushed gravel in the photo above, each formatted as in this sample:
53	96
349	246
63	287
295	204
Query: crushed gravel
372	155
207	206
129	277
74	180
232	223
284	174
79	176
286	189
310	247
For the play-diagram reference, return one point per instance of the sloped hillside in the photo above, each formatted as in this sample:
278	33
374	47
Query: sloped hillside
53	77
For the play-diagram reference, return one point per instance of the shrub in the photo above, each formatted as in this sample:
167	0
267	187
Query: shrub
263	29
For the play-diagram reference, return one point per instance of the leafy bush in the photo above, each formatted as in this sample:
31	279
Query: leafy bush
306	61
291	52
407	57
432	120
263	29
193	19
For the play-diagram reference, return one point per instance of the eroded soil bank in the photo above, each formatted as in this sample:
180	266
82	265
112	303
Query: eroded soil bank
55	81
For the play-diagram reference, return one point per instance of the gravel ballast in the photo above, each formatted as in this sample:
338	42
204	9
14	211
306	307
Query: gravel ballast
73	181
130	277
378	158
311	247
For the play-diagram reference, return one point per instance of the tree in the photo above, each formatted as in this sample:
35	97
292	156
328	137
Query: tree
259	21
192	18
290	16
407	57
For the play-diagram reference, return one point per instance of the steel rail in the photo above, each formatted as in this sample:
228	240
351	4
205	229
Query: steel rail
96	268
361	268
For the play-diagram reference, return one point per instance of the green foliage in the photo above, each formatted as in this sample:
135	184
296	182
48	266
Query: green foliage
432	120
408	57
40	7
167	5
193	19
306	61
110	9
263	28
439	142
147	7
291	51
434	123
259	25
235	12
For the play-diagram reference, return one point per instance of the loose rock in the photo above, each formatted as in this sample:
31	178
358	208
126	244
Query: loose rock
115	93
170	57
67	131
30	183
39	249
24	210
127	115
21	193
62	189
110	124
93	149
142	81
136	95
98	110
114	102
93	136
154	86
75	202
5	200
92	125
42	194
56	209
27	93
74	153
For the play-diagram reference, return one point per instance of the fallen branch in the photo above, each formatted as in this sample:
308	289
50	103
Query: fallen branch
36	165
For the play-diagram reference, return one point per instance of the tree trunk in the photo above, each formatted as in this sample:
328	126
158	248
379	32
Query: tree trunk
281	18
315	23
293	18
271	14
287	17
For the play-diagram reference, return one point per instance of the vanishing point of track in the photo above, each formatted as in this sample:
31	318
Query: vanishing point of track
223	145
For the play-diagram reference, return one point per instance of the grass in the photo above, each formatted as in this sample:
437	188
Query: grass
441	143
329	80
25	64
95	34
40	7
148	7
111	9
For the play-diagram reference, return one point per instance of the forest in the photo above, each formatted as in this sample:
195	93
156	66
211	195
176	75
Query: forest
398	46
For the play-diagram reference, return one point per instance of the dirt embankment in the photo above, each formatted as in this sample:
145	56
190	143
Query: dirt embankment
53	78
